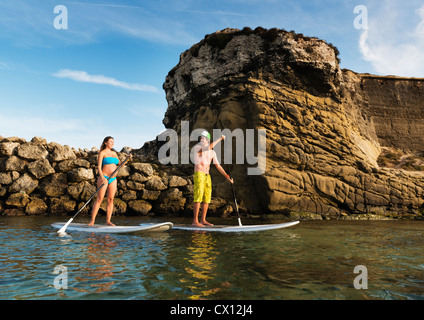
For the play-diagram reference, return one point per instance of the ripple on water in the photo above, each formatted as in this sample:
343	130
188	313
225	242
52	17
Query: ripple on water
313	260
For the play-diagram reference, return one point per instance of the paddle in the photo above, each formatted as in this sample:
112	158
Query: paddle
62	230
232	187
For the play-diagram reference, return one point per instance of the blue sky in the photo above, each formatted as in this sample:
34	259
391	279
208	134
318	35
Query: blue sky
104	74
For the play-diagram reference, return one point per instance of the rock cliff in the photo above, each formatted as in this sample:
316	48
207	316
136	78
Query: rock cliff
331	137
325	127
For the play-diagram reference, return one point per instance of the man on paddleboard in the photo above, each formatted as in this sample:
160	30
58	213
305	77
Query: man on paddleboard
203	156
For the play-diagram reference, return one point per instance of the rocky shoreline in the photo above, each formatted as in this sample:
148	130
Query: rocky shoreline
40	178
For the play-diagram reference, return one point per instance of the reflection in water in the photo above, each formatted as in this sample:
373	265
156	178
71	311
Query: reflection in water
99	265
313	260
202	266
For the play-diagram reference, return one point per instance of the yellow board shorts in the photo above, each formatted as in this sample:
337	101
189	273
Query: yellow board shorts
202	187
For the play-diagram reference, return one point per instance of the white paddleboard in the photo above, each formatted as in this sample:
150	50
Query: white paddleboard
83	227
246	228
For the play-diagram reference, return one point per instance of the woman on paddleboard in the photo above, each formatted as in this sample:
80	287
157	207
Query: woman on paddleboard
107	163
203	156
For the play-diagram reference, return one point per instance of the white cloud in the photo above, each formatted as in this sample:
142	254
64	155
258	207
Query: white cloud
82	76
392	44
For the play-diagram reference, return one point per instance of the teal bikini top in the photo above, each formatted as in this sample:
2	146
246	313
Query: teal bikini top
110	160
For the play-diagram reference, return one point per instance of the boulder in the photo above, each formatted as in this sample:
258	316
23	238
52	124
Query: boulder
24	183
67	165
150	194
155	183
61	206
40	168
170	201
139	207
32	151
19	200
5	178
13	212
80	174
137	177
59	152
13	163
175	181
54	185
145	168
119	206
36	206
8	148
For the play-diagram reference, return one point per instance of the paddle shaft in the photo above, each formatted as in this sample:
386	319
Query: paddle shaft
234	196
62	230
232	187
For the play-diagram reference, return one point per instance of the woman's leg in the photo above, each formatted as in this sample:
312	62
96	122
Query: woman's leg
111	191
98	202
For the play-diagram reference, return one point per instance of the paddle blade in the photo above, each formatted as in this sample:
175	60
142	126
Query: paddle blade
62	230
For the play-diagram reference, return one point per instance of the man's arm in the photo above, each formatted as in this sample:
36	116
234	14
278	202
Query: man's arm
220	168
216	141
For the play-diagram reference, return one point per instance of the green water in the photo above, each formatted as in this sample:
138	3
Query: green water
312	260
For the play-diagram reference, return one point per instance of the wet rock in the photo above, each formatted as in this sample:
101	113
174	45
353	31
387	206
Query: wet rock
13	212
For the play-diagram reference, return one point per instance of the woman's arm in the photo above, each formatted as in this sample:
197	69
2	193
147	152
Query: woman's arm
120	162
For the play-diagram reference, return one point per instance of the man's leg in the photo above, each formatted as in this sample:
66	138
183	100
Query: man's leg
205	207
196	215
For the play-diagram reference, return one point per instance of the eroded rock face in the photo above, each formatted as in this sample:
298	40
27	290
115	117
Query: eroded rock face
231	56
325	129
322	144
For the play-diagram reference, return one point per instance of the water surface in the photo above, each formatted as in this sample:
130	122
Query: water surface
312	260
